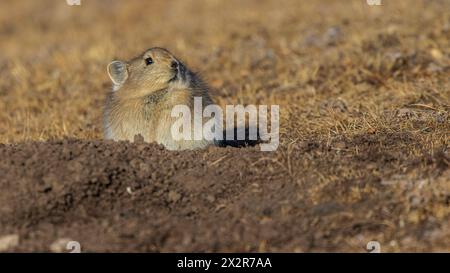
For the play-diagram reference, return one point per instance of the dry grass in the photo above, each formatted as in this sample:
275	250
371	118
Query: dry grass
335	68
342	72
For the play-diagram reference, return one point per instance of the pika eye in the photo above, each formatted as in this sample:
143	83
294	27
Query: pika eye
148	61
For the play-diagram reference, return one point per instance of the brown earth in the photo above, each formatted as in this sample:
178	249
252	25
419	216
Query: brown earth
364	96
140	197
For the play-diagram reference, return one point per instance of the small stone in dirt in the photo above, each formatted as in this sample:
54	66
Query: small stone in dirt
60	245
210	198
220	207
8	242
174	196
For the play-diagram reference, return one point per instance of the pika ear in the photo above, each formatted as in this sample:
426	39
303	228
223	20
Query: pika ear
118	72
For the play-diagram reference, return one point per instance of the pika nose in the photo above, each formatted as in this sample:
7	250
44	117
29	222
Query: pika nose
174	65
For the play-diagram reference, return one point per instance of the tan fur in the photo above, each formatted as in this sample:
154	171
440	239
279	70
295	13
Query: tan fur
142	105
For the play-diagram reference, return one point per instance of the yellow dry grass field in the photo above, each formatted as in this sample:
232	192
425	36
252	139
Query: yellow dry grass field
336	69
344	74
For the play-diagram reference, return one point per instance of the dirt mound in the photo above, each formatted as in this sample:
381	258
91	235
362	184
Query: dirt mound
140	197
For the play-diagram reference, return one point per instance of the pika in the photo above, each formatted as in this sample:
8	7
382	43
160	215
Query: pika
145	90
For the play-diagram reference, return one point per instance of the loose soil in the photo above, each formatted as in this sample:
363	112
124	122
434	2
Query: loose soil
140	197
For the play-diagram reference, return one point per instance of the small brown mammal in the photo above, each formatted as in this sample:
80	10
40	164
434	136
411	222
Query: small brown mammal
145	89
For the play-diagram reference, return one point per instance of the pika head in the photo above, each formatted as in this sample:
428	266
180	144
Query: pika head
154	70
